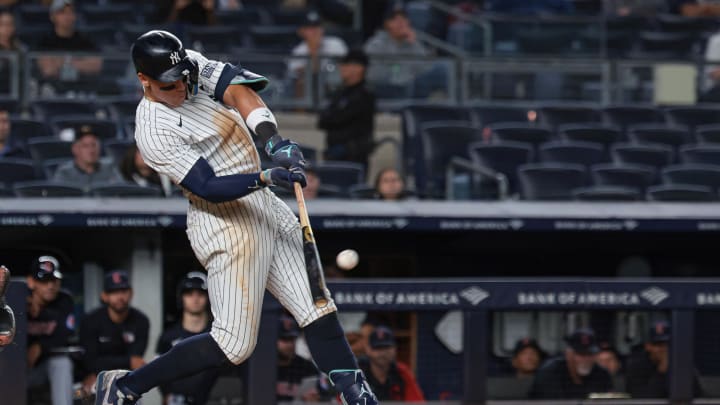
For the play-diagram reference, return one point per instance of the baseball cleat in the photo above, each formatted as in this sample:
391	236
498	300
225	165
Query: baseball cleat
352	387
107	391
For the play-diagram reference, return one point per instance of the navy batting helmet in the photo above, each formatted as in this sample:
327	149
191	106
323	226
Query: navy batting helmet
161	56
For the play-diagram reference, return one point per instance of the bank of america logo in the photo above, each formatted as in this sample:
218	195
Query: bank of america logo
654	295
474	295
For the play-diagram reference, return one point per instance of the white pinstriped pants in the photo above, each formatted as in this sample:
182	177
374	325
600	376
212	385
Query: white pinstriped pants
246	246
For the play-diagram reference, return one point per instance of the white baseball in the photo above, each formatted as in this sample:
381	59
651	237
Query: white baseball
347	259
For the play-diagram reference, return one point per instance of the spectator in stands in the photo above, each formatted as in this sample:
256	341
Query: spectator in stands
574	375
6	149
8	37
229	5
315	44
647	370
86	169
50	326
711	94
134	170
115	335
310	192
390	379
193	12
389	185
530	7
526	358
647	8
609	359
293	369
64	37
397	37
195	306
349	119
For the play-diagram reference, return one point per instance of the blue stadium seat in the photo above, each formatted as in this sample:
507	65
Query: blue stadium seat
13	170
215	39
597	133
697	174
581	153
42	188
21	130
671	45
118	14
707	133
637	177
554	116
467	36
654	155
283	16
502	157
518	132
703	154
49	166
692	117
105	129
117	148
122	108
243	17
680	193
273	38
125	190
340	174
624	116
49	109
658	134
607	193
488	115
42	149
9	104
32	14
550	181
105	36
362	192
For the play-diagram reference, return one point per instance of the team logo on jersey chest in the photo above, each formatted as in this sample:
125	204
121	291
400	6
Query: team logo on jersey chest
174	58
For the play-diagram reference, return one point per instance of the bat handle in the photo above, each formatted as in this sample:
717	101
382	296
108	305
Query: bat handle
302	209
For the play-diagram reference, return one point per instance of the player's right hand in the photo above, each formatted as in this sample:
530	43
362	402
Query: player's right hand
280	176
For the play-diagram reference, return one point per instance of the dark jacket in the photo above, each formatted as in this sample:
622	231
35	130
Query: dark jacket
553	381
400	385
54	326
109	345
349	120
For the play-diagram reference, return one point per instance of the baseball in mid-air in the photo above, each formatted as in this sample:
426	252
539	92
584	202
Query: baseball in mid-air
347	259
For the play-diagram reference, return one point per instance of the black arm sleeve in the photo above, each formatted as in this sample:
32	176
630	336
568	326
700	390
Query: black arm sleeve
202	181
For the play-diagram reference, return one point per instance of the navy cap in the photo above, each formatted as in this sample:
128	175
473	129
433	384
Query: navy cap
288	327
357	56
524	343
397	8
381	336
116	280
582	341
659	332
194	280
46	268
312	18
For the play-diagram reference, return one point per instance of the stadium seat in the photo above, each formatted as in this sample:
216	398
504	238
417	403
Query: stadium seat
125	190
6	191
623	116
637	177
467	36
488	115
217	39
13	170
517	132
49	166
605	135
123	107
554	116
340	174
117	148
118	14
697	174
707	133
703	154
607	193
362	192
654	155
49	109
105	129
105	36
680	192
503	157
273	38
692	117
21	130
32	14
243	17
9	104
550	181
283	16
658	134
581	153
42	149
44	188
671	45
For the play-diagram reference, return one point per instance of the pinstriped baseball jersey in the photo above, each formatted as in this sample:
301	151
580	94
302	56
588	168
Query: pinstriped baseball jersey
246	245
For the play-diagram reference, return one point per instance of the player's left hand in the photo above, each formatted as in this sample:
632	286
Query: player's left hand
280	176
288	155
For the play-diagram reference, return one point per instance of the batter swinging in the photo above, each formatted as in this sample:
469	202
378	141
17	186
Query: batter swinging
194	125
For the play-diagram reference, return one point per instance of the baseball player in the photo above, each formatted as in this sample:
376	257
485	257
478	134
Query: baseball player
7	319
194	124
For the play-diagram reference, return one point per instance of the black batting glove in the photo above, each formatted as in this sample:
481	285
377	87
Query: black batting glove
280	176
285	153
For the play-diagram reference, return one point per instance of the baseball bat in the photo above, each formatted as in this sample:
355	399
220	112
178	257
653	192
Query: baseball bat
313	266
